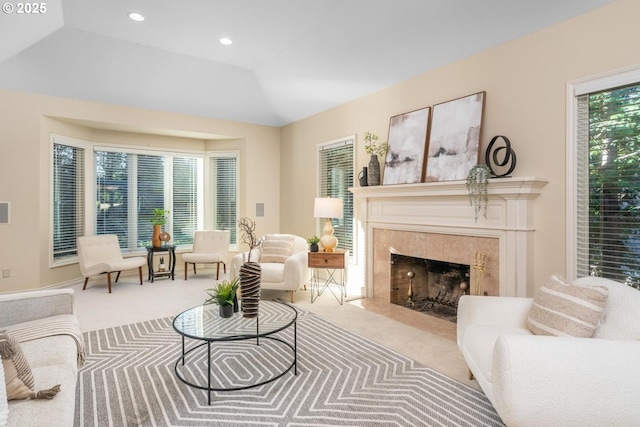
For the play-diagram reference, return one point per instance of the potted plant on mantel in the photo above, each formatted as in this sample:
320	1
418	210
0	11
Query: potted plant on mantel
371	147
158	219
225	295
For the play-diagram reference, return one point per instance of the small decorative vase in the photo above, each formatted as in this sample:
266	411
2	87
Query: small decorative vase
373	173
313	247
225	311
250	274
363	177
156	236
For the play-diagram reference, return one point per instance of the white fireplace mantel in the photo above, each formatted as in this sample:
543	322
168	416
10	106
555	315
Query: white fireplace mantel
443	207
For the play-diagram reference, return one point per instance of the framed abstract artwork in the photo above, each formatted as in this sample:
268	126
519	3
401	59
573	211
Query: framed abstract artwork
454	138
404	163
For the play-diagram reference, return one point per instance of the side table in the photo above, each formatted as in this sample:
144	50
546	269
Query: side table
334	265
168	249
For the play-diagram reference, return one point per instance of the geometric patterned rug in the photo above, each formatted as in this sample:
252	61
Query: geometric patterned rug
343	380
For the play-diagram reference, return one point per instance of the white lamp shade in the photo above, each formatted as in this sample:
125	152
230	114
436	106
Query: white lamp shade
327	207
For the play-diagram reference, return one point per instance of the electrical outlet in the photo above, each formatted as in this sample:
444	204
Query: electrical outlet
6	273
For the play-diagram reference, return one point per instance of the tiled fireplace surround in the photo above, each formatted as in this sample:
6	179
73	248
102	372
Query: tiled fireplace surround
435	221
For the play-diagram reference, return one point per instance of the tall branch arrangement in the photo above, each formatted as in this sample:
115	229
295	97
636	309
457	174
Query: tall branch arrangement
248	234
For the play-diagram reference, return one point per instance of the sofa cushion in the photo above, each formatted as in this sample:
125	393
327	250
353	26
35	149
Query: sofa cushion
276	248
563	309
4	404
621	320
53	360
18	378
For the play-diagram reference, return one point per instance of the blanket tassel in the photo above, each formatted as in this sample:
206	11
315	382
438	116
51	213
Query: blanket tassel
46	394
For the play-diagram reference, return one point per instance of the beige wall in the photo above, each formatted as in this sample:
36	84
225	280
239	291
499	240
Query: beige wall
26	122
525	81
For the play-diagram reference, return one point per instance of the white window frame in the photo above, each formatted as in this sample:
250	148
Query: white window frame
208	221
320	222
596	83
90	184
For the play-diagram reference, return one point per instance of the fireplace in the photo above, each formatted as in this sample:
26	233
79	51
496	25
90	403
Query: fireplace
435	221
427	285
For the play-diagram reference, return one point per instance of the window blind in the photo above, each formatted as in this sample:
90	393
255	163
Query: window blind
612	184
223	203
68	199
130	185
150	186
185	199
336	163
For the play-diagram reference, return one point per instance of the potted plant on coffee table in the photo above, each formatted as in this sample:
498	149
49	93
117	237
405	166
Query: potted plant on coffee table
224	295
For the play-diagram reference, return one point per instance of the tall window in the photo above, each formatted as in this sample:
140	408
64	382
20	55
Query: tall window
336	176
608	183
130	185
223	189
68	189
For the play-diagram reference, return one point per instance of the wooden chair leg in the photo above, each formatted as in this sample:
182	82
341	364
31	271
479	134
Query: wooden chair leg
118	276
218	271
109	280
186	267
86	279
140	274
471	377
225	267
291	292
194	268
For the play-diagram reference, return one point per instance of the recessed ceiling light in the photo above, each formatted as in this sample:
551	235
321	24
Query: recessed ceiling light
136	16
226	41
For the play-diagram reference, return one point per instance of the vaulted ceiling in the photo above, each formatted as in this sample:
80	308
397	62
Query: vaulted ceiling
289	59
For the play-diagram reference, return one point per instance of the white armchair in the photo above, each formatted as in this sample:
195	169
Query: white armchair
535	380
209	247
287	276
101	254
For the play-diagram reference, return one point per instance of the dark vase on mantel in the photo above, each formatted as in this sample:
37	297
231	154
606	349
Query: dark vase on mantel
373	174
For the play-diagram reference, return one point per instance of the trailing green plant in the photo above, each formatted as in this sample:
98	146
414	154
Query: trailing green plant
313	240
223	293
159	216
477	183
371	144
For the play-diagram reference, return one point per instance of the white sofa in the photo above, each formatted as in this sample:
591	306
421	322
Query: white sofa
287	276
53	359
535	380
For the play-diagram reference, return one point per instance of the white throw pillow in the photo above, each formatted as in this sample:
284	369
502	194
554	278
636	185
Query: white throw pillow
563	309
276	248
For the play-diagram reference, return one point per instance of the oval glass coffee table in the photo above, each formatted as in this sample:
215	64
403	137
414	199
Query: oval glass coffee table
246	352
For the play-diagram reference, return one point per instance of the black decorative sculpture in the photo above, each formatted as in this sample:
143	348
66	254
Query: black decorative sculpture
491	158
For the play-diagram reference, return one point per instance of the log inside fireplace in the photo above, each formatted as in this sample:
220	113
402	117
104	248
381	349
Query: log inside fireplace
429	286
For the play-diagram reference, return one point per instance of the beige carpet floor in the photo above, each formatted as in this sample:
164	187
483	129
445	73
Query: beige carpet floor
409	335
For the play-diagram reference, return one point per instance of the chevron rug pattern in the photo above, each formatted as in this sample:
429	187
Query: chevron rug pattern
343	380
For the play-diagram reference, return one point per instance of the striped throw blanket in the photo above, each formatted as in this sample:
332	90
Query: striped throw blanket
63	324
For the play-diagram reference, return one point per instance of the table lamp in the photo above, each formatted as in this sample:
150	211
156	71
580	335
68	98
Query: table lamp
326	207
